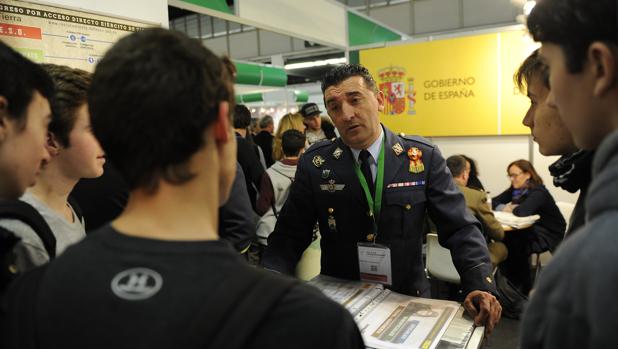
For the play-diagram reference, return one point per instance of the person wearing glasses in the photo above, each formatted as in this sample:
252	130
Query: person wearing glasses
528	196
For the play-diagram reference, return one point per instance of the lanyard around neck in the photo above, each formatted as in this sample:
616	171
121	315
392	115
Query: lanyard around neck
375	206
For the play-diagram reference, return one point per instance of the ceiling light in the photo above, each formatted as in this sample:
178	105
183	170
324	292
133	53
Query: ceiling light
528	6
315	63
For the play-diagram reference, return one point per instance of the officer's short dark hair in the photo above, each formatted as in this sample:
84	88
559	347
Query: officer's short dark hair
242	116
71	93
152	96
532	67
574	25
292	141
19	78
456	164
342	72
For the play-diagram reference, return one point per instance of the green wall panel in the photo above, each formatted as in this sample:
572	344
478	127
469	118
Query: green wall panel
362	31
218	5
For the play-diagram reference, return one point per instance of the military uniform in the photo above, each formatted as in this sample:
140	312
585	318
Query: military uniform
476	201
327	189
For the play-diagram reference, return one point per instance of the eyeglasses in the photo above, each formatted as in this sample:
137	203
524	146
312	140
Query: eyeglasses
514	175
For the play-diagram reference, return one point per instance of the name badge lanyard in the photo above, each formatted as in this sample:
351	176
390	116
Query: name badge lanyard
375	206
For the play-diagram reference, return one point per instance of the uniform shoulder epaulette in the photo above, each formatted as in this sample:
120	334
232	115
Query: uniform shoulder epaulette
417	139
319	145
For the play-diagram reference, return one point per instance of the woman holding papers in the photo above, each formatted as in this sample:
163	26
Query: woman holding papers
528	196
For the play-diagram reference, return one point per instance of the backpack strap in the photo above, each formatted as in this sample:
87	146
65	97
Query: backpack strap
22	211
238	308
8	272
18	320
272	203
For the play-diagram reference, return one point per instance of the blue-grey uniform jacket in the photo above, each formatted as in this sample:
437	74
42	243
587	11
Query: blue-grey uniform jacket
326	185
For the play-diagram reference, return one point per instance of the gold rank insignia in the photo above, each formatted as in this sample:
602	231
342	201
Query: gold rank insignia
398	149
331	187
337	153
416	160
318	161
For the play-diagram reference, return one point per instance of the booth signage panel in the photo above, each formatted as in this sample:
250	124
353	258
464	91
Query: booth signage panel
451	87
47	34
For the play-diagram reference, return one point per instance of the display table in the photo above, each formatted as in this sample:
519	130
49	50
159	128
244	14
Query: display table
388	319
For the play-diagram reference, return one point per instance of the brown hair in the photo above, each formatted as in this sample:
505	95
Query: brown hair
71	93
531	67
526	167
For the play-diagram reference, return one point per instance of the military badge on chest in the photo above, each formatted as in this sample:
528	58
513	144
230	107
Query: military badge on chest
332	186
416	160
318	161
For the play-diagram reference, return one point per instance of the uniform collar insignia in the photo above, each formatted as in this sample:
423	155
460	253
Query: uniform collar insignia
398	149
337	153
318	161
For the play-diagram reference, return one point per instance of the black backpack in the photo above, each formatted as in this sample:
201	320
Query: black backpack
513	302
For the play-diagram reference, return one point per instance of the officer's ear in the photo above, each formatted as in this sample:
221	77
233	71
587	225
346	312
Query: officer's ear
380	97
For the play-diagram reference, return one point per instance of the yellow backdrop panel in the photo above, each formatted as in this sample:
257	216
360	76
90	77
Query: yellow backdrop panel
452	87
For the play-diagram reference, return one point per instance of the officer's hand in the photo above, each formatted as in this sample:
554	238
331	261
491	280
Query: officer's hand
484	308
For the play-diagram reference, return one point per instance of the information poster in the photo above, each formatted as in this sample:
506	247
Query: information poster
47	34
452	87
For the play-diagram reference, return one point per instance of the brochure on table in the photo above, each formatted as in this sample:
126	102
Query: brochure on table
507	218
388	319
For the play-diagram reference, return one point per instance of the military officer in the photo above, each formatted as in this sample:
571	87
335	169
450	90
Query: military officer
369	190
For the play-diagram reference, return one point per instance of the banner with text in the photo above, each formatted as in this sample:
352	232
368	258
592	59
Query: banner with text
48	34
452	87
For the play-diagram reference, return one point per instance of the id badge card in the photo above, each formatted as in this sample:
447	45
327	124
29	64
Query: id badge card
374	262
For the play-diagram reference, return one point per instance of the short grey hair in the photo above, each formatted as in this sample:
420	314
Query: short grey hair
266	120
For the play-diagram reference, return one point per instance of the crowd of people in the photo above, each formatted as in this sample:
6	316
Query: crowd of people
199	223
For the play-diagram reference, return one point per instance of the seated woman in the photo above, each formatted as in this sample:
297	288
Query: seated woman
528	196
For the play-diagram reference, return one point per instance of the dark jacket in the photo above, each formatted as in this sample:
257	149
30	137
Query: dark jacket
572	173
573	305
251	167
329	129
538	201
407	198
236	217
265	141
